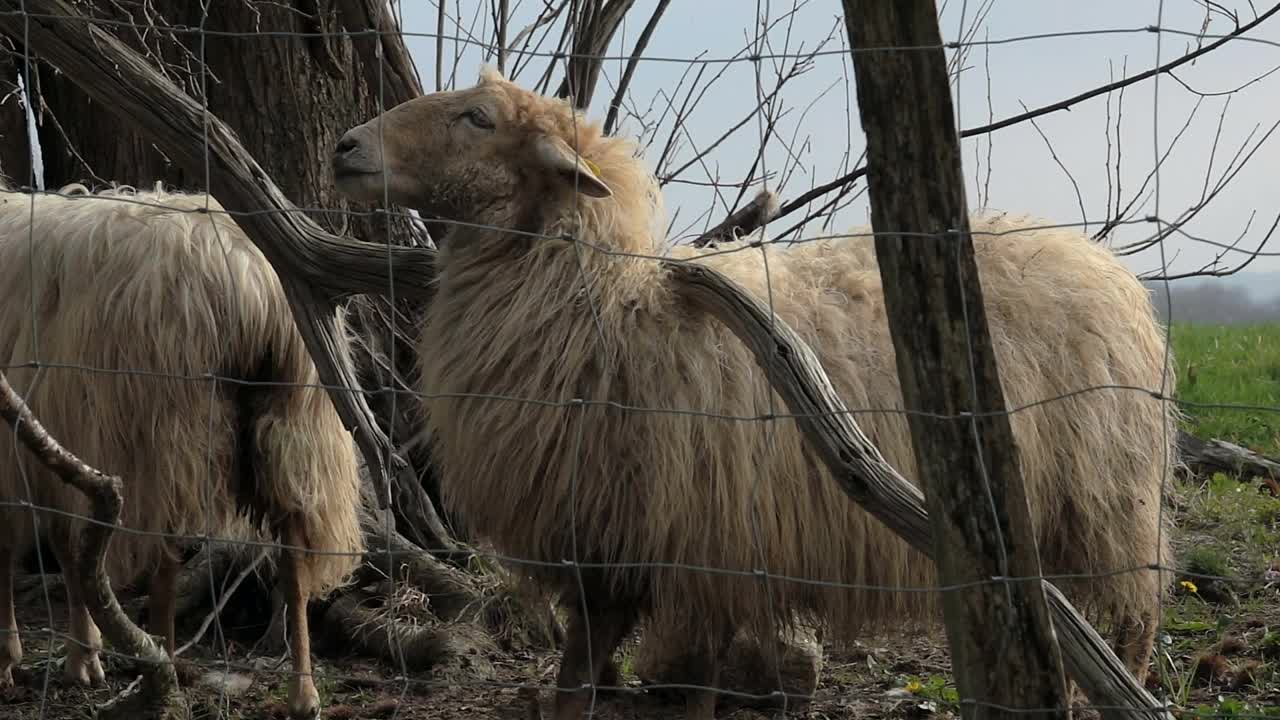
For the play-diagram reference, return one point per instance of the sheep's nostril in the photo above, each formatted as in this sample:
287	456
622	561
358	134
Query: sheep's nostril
346	145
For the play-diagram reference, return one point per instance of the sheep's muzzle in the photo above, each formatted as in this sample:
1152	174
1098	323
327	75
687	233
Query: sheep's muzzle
357	160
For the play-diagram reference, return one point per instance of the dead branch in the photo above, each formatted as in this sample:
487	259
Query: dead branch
157	696
94	60
754	214
440	16
547	15
1113	86
455	596
641	43
194	588
503	19
593	30
1206	457
390	554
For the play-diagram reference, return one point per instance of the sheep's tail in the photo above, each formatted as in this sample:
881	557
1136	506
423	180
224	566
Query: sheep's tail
307	467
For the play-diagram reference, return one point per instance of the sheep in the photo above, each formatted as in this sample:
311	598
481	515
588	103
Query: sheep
578	412
116	308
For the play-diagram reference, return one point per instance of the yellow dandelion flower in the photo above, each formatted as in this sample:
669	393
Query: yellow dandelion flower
1190	586
914	687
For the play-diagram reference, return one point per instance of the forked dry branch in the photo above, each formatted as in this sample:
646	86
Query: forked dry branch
157	696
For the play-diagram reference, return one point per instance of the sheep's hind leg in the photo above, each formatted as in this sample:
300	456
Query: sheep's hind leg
1135	639
700	703
593	634
295	583
83	666
10	644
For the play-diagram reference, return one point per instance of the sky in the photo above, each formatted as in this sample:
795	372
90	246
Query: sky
1057	171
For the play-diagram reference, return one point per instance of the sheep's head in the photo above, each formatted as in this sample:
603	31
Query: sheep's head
485	154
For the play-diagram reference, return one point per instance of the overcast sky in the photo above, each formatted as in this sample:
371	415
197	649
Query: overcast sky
818	143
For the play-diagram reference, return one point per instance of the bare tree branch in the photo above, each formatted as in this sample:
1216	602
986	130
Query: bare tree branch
593	31
641	43
503	19
853	175
440	16
754	214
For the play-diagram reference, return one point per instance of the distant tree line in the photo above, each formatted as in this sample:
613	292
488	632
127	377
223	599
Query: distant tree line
1214	302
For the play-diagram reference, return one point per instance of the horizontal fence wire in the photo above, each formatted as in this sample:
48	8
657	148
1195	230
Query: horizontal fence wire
330	671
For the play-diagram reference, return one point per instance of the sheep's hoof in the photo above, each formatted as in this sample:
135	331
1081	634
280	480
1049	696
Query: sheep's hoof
85	671
10	657
304	701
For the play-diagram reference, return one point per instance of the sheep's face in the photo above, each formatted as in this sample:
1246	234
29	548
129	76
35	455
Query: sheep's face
487	154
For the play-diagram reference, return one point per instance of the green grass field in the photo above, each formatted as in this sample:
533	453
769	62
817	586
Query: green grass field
1219	650
1219	365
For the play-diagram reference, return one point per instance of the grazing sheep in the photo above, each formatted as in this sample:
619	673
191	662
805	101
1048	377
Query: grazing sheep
521	314
130	301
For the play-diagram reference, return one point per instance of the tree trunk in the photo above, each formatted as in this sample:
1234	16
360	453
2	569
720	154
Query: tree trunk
1003	649
288	98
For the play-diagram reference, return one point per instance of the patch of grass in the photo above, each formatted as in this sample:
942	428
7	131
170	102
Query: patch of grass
1230	707
1206	560
1225	366
1235	526
935	689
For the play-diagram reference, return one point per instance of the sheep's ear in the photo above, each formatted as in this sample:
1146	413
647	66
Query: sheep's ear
490	75
555	155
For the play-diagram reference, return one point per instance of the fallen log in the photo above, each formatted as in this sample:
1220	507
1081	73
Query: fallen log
1206	457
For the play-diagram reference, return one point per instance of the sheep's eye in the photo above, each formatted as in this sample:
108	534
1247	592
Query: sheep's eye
477	117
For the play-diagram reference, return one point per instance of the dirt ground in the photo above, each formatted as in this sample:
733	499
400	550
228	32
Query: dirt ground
866	683
1217	653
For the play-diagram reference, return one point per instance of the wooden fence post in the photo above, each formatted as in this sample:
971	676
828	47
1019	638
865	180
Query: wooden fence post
1004	652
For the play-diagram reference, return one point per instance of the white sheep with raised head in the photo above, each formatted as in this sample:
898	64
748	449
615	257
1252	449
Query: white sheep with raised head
155	341
579	411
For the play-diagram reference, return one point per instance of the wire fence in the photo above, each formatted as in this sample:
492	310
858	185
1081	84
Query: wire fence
1184	674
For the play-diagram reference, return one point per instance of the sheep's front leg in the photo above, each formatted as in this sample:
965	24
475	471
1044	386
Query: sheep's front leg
609	623
83	666
10	645
295	584
161	600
